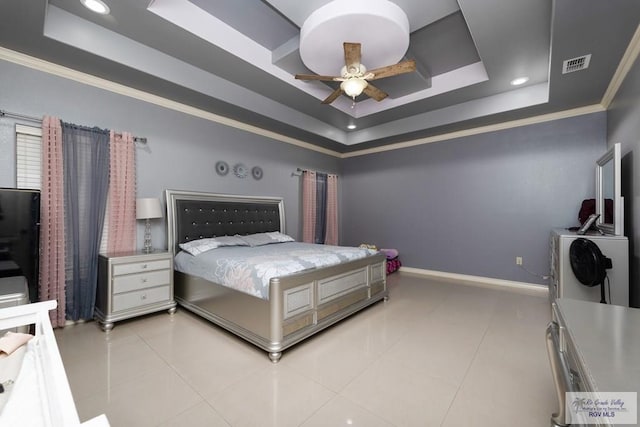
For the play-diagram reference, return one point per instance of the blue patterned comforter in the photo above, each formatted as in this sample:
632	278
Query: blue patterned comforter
249	269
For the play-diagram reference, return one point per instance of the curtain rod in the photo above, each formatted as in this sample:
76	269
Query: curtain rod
299	172
4	113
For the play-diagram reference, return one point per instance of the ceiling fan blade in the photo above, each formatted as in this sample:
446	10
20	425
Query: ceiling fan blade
315	77
352	54
393	70
335	94
374	92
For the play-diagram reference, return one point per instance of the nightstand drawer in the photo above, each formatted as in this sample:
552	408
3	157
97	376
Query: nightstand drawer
129	300
140	267
133	282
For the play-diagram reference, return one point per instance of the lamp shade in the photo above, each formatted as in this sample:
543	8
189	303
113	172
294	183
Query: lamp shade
353	87
148	208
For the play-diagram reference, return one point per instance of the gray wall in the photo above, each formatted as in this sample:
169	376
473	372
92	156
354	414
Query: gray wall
465	206
623	125
473	204
181	152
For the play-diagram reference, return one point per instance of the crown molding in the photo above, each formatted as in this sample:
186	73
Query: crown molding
627	61
98	82
481	129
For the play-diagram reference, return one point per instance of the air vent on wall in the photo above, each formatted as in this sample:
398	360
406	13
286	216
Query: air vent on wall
576	64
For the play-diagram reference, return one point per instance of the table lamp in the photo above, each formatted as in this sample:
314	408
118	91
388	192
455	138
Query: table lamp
147	209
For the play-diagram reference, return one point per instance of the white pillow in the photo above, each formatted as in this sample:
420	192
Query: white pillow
196	247
260	239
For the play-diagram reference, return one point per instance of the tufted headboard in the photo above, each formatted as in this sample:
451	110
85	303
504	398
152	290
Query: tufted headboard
195	215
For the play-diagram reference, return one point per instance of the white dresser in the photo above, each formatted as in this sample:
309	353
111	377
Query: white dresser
593	348
564	283
133	284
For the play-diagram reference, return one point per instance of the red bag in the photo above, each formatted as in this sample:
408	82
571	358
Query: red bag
588	207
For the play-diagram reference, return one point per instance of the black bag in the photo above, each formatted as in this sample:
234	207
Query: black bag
587	208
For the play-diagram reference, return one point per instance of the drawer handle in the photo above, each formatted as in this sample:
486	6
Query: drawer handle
144	265
143	296
144	280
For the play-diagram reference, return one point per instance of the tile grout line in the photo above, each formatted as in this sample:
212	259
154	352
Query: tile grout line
188	383
475	355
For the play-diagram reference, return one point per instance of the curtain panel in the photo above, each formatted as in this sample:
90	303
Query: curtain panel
319	208
51	285
331	234
122	193
308	206
86	182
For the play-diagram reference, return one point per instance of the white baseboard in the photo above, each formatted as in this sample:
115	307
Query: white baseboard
488	282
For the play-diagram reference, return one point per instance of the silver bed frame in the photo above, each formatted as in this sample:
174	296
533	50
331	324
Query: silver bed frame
299	305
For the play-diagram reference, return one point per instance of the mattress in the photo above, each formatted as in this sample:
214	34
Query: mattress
249	269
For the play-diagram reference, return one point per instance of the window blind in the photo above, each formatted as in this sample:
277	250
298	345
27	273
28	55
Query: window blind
28	157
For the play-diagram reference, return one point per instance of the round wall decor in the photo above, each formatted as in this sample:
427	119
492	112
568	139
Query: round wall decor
256	171
222	168
240	170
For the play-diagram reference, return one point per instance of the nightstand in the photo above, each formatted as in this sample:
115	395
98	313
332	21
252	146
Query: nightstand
133	284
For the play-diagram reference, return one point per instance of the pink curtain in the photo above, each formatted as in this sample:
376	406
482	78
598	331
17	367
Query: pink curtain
308	206
52	275
331	236
122	194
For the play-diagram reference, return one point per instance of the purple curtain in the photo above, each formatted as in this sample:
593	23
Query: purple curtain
86	182
331	235
319	208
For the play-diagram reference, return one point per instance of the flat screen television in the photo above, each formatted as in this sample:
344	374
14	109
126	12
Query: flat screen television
609	200
20	236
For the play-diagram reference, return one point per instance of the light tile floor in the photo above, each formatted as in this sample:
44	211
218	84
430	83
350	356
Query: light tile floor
435	354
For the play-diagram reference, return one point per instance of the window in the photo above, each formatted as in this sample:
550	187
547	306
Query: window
29	167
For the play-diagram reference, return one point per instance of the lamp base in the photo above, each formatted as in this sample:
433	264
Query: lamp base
147	237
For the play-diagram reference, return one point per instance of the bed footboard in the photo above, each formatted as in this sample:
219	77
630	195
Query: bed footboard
299	305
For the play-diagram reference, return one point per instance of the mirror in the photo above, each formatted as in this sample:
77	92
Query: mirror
609	201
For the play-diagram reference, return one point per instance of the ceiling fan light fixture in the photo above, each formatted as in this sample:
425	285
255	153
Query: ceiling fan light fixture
97	6
353	87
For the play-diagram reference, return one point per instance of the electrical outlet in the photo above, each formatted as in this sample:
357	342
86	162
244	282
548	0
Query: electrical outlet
518	260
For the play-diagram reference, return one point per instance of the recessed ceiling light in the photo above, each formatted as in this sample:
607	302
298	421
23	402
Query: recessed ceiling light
519	81
351	126
97	6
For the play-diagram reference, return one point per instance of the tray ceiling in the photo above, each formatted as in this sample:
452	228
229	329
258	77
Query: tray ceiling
237	59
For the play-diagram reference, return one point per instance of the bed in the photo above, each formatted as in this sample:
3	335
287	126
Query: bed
297	306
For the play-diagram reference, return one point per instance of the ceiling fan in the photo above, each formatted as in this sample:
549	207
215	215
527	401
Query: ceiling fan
355	77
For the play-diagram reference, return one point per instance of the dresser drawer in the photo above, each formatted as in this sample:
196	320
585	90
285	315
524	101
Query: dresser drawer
129	300
133	282
140	267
